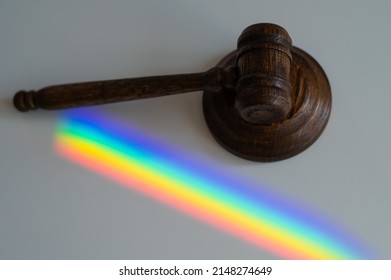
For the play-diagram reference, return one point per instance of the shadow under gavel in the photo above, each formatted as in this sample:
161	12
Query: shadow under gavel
252	85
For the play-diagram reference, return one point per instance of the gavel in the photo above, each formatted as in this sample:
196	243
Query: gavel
266	101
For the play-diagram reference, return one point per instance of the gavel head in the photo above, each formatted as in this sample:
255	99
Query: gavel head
263	89
279	102
249	103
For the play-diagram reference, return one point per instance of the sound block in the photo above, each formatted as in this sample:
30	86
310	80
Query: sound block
311	99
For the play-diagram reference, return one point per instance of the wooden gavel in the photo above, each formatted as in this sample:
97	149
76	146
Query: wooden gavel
266	101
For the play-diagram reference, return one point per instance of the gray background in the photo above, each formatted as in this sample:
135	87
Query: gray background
51	208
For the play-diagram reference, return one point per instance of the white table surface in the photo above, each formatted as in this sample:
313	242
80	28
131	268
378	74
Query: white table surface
51	208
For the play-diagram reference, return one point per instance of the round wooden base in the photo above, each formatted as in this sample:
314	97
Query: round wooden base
311	96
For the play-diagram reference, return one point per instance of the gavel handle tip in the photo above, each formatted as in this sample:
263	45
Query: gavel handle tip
23	101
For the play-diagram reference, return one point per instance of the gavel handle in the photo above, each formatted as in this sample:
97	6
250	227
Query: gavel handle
102	92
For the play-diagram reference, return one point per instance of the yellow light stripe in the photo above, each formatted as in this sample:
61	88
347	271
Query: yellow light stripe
157	181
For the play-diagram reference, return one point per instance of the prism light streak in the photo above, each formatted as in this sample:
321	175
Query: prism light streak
137	160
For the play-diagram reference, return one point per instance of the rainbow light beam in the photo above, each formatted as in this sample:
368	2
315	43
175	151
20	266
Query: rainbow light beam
144	163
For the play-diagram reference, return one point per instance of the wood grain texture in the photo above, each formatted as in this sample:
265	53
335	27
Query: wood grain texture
103	92
311	99
266	101
263	90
